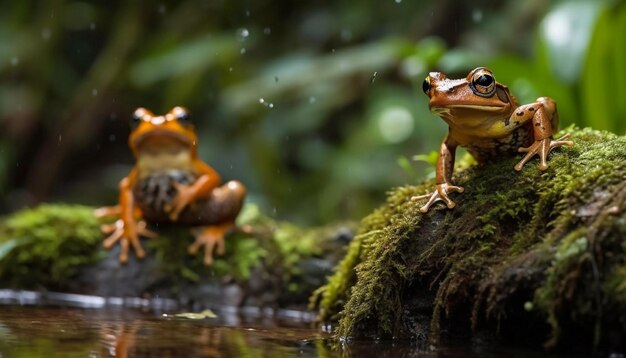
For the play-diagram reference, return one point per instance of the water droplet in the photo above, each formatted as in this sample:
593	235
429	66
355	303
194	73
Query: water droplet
92	26
247	13
94	92
332	50
46	33
15	61
242	51
267	30
312	99
230	69
242	34
373	78
162	9
60	137
398	1
265	103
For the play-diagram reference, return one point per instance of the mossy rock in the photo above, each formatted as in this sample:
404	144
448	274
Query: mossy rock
529	257
58	247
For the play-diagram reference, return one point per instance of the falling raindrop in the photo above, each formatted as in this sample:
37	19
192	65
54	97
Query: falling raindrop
276	79
230	69
94	92
267	30
242	51
15	61
60	137
312	99
162	9
242	34
398	1
92	26
265	103
373	78
112	138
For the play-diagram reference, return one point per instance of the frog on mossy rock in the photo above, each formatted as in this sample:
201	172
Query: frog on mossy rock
170	184
486	119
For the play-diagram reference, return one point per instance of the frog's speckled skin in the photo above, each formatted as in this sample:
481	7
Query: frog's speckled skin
486	119
169	183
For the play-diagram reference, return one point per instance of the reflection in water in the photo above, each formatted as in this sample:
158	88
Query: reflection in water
74	332
63	332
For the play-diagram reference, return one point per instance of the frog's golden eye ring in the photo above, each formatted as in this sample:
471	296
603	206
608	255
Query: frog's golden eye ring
426	85
483	83
182	115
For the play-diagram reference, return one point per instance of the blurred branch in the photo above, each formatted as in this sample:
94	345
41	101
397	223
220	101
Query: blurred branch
80	122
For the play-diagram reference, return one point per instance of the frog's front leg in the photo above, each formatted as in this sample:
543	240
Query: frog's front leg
125	230
544	117
201	188
445	166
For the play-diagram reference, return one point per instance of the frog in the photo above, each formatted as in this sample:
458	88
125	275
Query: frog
170	184
486	119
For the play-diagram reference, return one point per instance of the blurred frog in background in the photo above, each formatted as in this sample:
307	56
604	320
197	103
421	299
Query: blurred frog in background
170	184
486	119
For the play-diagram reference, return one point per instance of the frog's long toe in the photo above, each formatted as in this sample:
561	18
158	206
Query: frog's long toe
440	194
212	238
118	232
542	148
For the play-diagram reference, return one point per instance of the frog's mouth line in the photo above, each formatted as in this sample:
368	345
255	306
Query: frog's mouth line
161	133
446	109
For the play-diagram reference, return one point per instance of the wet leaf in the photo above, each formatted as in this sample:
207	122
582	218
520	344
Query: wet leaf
196	315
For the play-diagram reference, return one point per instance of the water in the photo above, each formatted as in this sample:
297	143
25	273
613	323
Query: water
35	331
74	332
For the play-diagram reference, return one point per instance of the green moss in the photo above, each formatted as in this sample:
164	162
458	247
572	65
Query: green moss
45	246
550	241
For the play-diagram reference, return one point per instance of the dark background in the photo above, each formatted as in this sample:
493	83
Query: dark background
315	105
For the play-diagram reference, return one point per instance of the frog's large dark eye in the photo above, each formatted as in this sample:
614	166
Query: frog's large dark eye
182	115
426	85
483	83
137	117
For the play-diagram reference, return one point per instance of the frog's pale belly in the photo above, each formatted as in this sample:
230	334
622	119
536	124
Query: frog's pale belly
154	192
487	149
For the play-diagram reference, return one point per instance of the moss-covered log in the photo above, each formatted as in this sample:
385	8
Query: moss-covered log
533	257
58	247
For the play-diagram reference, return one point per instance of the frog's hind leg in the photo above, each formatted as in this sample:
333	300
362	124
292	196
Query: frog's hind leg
222	208
212	238
544	119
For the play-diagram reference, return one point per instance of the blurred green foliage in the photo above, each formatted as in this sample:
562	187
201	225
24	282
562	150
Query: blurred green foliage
315	106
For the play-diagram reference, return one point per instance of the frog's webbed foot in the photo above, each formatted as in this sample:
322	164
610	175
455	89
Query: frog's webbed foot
212	238
126	235
440	194
542	148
